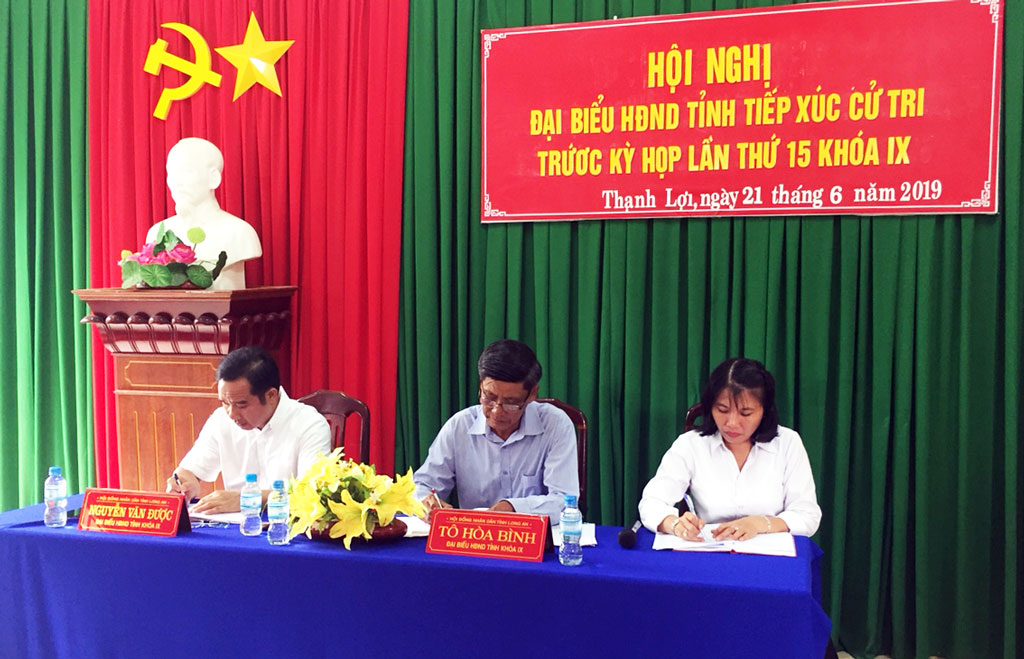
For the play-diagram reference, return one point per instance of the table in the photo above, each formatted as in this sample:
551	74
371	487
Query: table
214	592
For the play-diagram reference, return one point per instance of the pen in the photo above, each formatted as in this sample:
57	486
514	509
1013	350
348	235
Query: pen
689	504
178	481
686	498
437	499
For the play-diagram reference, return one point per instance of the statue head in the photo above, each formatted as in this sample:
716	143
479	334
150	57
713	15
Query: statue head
194	167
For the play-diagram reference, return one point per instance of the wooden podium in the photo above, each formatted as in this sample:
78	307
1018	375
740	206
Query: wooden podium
166	345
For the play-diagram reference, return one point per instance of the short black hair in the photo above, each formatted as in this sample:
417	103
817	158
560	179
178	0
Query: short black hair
508	360
739	375
254	364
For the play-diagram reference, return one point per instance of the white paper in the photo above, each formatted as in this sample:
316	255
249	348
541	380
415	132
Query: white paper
767	544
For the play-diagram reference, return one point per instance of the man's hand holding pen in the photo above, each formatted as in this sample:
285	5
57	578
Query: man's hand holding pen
432	502
184	481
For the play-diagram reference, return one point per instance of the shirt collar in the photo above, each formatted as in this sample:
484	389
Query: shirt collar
529	424
280	414
768	447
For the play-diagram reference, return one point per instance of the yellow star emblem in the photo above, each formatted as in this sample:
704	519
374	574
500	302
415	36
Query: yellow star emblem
254	58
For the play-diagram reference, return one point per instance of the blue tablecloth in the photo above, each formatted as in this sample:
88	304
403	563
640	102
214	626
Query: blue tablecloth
214	592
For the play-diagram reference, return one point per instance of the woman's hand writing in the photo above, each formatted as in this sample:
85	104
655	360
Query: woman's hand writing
686	527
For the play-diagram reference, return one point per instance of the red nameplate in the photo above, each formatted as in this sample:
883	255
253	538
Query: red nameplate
131	511
487	534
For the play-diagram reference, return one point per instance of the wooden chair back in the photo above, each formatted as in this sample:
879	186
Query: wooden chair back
692	414
336	408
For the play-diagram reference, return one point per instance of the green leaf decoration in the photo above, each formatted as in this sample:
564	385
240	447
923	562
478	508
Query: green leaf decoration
170	241
221	260
131	274
125	253
156	275
179	273
158	238
199	276
196	235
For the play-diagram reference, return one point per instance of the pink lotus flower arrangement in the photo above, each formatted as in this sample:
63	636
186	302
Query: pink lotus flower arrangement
169	262
180	253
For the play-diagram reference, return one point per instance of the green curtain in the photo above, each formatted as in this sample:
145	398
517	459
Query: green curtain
45	400
895	342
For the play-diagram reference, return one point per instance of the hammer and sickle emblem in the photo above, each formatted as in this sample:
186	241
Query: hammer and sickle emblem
199	71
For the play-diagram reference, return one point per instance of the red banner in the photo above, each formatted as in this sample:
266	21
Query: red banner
863	107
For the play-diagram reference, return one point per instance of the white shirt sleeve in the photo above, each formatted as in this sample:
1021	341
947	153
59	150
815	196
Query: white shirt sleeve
203	459
314	437
800	508
667	487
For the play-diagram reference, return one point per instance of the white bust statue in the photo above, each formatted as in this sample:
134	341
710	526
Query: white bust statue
194	168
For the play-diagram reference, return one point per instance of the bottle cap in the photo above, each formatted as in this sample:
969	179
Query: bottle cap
55	471
278	485
250	478
570	499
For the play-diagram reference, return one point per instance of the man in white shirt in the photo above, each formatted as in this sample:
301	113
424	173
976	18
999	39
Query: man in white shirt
258	429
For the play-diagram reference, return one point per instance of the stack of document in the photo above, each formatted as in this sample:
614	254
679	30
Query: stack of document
767	544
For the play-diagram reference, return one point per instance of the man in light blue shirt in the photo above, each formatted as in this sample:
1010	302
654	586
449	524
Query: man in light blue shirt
509	453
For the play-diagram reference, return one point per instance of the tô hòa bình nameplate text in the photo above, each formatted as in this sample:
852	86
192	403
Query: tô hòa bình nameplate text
132	511
487	534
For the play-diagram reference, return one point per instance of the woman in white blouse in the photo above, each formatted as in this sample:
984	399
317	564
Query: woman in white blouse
742	469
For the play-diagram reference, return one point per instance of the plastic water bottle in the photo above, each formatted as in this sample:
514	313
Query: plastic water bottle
252	504
277	515
571	525
55	494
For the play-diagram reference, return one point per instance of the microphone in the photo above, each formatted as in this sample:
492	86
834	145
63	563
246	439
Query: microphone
627	537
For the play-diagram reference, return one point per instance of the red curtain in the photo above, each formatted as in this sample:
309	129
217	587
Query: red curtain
317	171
